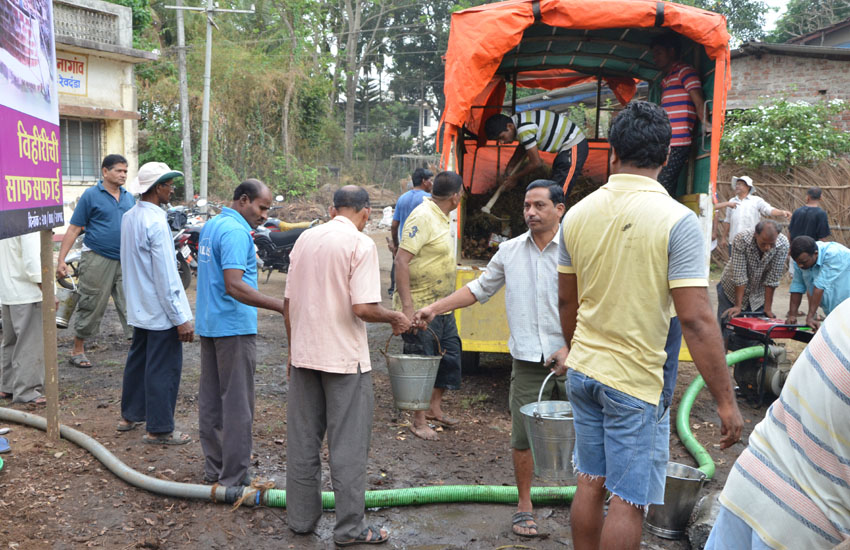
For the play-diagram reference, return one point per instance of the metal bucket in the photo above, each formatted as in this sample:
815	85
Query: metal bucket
680	495
67	298
551	434
412	377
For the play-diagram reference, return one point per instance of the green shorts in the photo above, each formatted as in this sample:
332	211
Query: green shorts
526	379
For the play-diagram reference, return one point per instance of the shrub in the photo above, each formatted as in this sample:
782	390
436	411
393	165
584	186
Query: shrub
784	134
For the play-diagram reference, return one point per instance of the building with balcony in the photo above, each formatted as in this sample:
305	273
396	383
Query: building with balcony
98	114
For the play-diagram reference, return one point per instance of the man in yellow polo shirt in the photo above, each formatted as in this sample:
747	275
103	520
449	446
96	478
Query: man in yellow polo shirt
628	253
424	273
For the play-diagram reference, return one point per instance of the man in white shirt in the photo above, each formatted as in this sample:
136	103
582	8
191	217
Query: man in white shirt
157	309
745	211
22	351
527	267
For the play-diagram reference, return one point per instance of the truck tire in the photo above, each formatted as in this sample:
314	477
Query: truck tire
470	362
184	271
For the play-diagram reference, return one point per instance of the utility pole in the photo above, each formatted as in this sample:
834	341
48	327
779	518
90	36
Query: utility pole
210	10
186	135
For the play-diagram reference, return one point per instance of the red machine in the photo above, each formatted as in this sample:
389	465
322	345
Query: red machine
757	377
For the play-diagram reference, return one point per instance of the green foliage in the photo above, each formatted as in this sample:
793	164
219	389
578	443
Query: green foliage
784	134
744	18
804	16
141	14
293	178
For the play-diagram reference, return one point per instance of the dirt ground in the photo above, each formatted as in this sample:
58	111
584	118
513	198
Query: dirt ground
59	496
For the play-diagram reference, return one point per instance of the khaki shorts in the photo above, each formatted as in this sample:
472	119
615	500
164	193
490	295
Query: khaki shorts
526	379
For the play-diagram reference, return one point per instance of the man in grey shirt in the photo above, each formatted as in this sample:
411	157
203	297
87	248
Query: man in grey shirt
526	267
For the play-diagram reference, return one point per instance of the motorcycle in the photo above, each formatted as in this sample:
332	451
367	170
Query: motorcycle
186	224
274	247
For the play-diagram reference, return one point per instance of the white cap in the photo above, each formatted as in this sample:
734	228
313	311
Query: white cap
746	179
149	175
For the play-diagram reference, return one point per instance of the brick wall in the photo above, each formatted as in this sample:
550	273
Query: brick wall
797	78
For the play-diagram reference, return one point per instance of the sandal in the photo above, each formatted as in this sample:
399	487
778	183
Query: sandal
173	438
365	537
446	421
122	427
524	520
80	361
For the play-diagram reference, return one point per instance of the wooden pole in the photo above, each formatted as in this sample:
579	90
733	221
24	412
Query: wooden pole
48	324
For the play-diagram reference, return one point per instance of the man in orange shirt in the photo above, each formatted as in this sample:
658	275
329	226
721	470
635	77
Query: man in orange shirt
332	290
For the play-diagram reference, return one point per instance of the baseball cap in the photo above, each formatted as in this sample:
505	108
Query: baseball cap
150	174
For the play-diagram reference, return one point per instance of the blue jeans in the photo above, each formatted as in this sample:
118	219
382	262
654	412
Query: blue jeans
732	533
671	365
621	438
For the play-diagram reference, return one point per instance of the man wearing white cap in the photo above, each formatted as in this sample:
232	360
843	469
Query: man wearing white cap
157	309
745	210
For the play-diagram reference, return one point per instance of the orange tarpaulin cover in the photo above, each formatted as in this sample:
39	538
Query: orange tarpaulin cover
481	36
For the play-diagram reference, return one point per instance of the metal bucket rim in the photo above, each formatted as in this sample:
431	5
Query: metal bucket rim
534	416
701	475
412	356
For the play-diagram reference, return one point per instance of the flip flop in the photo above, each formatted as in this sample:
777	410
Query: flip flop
365	537
4	445
520	520
173	438
121	427
447	421
80	361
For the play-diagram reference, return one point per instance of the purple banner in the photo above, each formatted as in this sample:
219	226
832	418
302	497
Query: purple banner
30	174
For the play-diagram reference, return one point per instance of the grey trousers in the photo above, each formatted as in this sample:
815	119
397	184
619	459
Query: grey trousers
100	277
22	352
341	405
226	406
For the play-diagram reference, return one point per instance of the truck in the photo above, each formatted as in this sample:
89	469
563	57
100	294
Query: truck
558	45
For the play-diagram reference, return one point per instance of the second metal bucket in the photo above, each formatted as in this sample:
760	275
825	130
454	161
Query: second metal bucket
412	377
67	297
680	495
551	434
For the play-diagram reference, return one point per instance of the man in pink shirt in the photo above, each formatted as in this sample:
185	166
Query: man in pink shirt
332	290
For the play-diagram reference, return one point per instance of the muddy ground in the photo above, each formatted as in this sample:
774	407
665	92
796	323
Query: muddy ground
56	495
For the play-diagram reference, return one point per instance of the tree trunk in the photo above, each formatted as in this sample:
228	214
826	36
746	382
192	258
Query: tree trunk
352	69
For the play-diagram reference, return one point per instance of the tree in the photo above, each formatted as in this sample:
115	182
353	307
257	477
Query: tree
805	16
745	18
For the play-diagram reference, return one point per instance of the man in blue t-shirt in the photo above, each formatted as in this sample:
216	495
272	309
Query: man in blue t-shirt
99	210
226	321
423	180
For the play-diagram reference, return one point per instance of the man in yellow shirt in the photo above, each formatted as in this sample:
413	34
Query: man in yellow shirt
628	253
425	272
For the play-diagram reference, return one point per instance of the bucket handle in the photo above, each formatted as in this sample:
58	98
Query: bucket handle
63	283
540	394
440	350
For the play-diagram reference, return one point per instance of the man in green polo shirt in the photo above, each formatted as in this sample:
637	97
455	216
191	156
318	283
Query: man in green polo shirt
99	210
628	253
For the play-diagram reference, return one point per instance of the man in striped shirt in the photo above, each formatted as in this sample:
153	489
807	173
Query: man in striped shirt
682	99
790	488
540	131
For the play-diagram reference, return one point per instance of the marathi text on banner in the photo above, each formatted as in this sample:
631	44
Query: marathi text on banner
25	189
37	146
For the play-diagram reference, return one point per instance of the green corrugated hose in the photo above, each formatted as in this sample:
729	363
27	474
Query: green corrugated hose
683	415
442	494
391	497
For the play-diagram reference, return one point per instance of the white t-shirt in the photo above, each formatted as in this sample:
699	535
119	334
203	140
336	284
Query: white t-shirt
748	213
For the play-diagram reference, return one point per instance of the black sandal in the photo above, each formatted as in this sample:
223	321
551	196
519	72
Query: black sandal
520	519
